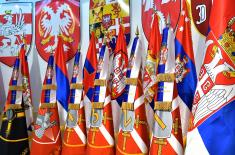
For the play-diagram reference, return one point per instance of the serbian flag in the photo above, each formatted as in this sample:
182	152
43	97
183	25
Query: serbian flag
150	70
185	70
13	134
212	129
118	74
133	130
166	136
27	95
74	141
89	69
120	63
46	136
100	137
62	91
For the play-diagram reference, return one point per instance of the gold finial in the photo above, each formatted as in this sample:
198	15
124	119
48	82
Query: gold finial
51	51
137	31
105	37
168	21
79	47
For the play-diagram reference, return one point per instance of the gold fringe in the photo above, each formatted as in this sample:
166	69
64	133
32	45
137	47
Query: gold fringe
76	86
168	77
74	106
100	82
127	106
163	106
49	87
14	106
97	105
132	81
48	105
17	88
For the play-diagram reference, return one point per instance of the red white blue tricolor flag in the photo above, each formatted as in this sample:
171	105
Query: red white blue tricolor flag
74	141
100	137
62	91
133	128
89	69
166	135
212	129
120	63
185	70
46	136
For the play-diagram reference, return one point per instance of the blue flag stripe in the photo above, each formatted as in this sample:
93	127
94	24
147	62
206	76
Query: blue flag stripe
218	131
49	81
14	82
62	92
128	74
88	67
187	87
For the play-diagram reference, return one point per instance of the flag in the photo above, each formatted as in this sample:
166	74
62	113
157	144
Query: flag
166	136
100	137
150	70
212	130
90	69
185	70
74	141
46	136
27	98
118	74
120	63
62	91
13	134
133	130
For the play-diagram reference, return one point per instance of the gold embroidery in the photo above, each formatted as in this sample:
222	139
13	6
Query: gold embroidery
100	82
97	105
160	143
48	105
125	135
163	106
93	130
74	106
17	88
69	130
14	141
76	86
80	120
176	126
127	106
167	77
14	106
105	118
132	81
227	40
159	121
49	87
139	122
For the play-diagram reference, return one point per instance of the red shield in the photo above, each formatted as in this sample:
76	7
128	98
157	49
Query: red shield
54	18
15	22
165	7
201	13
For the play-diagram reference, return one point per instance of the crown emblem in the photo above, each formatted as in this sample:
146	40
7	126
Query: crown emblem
227	40
8	12
180	68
